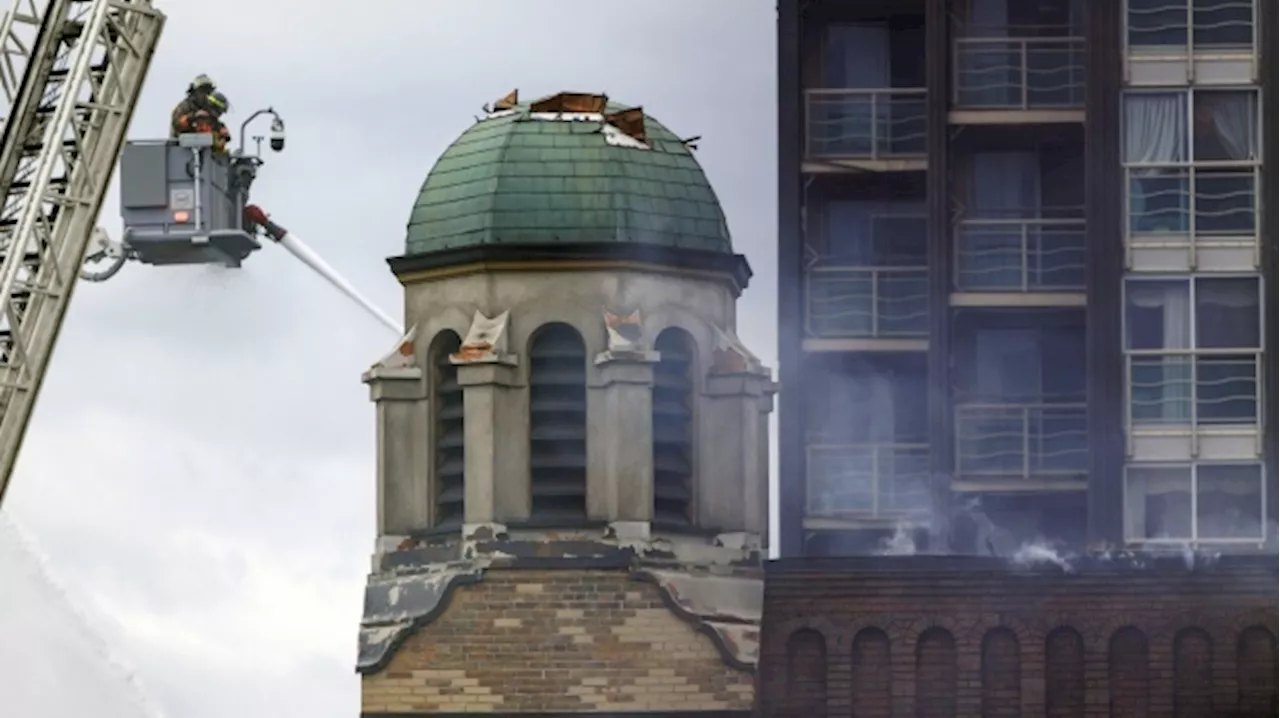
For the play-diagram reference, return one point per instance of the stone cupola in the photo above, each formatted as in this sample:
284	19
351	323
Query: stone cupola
571	397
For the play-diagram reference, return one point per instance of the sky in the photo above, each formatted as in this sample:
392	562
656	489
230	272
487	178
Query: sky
199	472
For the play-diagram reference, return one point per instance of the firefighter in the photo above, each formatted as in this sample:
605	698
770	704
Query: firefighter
205	115
201	86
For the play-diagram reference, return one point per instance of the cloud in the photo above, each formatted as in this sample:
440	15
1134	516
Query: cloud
200	467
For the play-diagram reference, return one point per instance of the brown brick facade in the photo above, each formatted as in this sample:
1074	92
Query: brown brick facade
970	638
531	641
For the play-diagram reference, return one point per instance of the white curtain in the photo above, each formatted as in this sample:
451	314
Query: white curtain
1234	118
1155	127
1162	386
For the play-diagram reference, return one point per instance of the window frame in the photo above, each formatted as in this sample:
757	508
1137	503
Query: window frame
1194	477
1193	353
1190	165
1189	47
1189	93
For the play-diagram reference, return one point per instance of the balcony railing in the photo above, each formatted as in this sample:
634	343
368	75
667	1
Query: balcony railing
848	124
1201	202
866	302
1205	388
1023	441
1007	73
868	480
1020	255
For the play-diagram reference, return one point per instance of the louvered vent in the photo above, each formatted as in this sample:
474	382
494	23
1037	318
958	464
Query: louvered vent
558	424
673	428
450	456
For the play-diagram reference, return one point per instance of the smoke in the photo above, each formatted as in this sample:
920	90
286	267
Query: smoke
970	531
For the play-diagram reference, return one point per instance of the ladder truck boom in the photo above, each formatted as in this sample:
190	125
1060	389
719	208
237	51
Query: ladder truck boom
72	72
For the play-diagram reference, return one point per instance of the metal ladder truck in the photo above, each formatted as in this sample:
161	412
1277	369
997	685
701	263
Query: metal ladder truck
72	71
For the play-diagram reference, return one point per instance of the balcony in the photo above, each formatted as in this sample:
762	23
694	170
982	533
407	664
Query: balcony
1184	219
1195	404
876	129
1181	42
1021	256
1018	80
1021	446
867	302
867	481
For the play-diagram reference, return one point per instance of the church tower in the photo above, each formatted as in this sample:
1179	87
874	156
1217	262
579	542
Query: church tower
572	441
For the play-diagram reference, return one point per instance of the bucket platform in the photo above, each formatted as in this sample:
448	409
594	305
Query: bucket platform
182	204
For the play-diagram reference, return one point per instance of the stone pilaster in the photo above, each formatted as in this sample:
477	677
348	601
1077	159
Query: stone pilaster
398	389
621	455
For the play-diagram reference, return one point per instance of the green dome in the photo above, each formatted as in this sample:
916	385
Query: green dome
526	176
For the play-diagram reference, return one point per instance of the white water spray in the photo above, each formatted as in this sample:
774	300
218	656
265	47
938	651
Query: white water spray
313	260
55	663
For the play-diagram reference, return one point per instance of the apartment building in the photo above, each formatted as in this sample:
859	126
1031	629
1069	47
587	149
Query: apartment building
1027	257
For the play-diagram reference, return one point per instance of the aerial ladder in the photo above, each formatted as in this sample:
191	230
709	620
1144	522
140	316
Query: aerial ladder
72	71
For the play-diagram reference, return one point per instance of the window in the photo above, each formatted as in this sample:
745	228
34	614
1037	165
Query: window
866	434
872	277
1163	25
1198	502
1194	346
673	427
558	424
1192	160
870	233
450	436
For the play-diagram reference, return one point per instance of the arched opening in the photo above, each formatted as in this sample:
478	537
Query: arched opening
872	680
807	674
558	424
1193	674
1256	665
1001	674
936	674
450	433
1064	673
1128	672
673	384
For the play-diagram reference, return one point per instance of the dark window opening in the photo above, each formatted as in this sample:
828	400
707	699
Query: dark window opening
558	425
450	449
673	428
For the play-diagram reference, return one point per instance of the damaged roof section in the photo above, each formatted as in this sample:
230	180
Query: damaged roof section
621	127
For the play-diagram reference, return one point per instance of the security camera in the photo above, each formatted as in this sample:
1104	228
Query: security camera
277	134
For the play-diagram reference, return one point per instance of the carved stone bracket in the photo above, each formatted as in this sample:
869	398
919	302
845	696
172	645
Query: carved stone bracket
397	375
486	342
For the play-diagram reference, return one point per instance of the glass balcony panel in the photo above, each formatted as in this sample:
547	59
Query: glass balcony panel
852	302
854	124
1180	390
868	480
1030	441
1020	255
1019	73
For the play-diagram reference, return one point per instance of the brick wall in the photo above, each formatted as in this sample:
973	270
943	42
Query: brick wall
553	641
970	638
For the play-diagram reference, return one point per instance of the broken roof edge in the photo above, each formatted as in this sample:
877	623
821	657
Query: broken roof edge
627	124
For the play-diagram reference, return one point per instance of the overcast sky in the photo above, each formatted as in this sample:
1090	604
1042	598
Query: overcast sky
200	467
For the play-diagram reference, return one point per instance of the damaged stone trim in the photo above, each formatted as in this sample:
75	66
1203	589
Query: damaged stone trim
719	629
385	628
380	639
